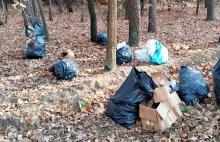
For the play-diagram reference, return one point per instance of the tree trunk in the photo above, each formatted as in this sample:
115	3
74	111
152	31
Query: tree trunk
211	10
69	5
50	11
126	4
152	24
142	7
32	11
60	6
197	8
134	23
112	35
93	22
43	19
83	7
206	3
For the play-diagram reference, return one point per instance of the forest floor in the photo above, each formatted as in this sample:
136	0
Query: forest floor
34	106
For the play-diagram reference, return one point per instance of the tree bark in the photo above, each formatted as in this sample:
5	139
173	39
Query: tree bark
69	5
32	11
112	35
60	6
152	22
197	8
50	11
93	22
43	19
134	23
211	10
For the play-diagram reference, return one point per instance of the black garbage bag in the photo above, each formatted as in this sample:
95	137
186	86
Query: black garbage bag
216	81
124	55
123	106
36	46
174	86
192	85
102	39
65	69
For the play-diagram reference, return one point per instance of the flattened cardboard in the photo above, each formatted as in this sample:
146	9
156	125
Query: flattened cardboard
159	79
161	94
177	111
152	125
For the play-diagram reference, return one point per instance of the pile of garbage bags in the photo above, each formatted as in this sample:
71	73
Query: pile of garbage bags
36	44
123	106
153	52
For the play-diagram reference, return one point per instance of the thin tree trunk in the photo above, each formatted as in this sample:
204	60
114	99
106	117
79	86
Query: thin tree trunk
69	5
43	19
50	11
206	3
197	8
93	22
211	10
126	3
142	7
152	22
112	35
82	16
134	23
60	6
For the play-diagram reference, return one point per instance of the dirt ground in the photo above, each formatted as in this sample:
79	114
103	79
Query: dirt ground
34	106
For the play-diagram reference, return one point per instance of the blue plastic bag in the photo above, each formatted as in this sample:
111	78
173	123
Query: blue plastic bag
124	55
216	81
65	69
123	106
161	54
102	39
36	46
192	85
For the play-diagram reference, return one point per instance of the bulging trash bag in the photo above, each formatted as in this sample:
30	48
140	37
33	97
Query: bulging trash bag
102	39
192	85
123	54
36	46
161	54
216	81
123	106
65	69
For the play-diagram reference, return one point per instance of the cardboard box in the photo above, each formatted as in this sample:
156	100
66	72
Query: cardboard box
174	102
159	79
158	118
161	94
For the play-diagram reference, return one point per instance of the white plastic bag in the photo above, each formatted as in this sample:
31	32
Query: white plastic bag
142	55
151	47
120	45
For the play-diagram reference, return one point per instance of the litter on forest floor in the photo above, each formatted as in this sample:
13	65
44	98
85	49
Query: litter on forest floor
123	53
36	41
153	52
101	39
